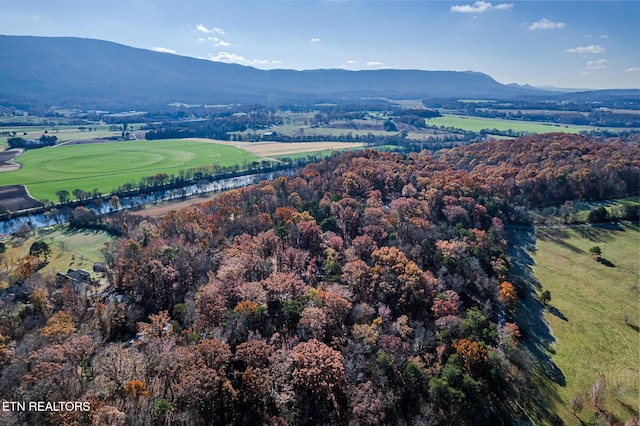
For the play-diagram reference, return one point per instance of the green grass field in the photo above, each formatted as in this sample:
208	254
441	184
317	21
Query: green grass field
476	124
106	166
597	301
69	248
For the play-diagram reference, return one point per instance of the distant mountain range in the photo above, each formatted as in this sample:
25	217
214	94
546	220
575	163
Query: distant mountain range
76	72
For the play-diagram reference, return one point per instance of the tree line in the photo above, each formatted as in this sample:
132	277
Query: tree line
41	142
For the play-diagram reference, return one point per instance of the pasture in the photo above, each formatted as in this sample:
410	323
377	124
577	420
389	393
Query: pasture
69	248
476	124
594	314
106	166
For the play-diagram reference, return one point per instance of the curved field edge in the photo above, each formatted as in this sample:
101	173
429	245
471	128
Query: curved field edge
106	166
593	316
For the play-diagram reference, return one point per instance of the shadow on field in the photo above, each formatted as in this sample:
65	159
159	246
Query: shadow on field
630	409
555	311
634	327
558	236
536	337
598	233
606	262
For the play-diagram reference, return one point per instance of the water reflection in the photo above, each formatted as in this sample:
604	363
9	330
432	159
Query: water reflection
100	207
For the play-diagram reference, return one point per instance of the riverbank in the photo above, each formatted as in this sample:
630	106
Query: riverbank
60	213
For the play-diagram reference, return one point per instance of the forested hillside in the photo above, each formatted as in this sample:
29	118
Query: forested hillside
371	288
543	170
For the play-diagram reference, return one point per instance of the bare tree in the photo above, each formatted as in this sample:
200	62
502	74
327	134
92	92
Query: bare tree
577	403
618	390
598	391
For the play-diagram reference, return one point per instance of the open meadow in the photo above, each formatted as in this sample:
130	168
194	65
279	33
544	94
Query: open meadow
476	124
106	166
594	314
76	249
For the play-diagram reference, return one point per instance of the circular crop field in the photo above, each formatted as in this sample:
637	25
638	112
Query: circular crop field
106	166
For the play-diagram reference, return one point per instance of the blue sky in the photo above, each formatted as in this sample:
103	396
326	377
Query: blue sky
577	44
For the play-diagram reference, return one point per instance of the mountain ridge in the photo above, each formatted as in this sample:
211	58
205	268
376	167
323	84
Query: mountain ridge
70	71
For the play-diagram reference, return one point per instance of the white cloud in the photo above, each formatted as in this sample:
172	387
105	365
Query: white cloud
229	58
374	64
598	64
232	58
203	29
206	30
504	6
592	48
216	41
633	69
262	62
604	36
545	24
162	50
480	7
350	62
315	40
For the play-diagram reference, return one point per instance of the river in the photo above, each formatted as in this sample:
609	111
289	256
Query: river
41	220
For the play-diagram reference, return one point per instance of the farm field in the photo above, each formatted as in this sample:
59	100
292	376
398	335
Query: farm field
297	130
106	166
63	133
279	149
16	197
476	124
596	314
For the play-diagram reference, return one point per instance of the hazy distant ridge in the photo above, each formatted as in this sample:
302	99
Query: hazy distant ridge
94	73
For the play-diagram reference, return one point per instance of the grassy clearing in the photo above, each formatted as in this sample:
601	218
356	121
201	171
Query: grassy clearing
476	124
69	248
106	166
328	152
602	311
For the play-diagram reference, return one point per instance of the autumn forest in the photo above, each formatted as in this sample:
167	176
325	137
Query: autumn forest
368	288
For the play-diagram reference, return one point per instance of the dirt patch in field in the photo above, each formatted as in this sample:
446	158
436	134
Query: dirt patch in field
6	160
16	198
